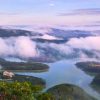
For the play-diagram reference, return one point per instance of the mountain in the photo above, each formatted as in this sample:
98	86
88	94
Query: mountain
16	32
66	34
58	33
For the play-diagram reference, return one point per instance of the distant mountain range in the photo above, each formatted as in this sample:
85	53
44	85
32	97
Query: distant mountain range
16	33
64	34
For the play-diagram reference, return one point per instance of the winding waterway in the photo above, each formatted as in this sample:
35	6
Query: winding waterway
65	71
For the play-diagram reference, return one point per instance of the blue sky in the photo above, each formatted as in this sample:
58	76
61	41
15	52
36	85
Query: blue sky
62	12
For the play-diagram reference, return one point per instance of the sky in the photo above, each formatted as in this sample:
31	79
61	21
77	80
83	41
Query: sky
50	12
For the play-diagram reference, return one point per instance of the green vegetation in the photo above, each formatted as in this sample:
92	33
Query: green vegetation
96	83
69	92
23	66
22	78
90	66
33	80
22	91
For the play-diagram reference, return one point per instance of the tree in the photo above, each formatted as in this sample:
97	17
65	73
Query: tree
22	91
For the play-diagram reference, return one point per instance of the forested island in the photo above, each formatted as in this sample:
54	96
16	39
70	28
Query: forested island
89	66
92	68
23	66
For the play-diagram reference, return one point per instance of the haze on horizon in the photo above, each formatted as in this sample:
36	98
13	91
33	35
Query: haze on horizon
50	12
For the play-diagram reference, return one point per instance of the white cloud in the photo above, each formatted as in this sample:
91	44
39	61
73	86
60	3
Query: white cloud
21	46
25	47
48	37
89	43
51	4
63	48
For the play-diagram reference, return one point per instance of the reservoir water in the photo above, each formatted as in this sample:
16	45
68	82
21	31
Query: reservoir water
65	71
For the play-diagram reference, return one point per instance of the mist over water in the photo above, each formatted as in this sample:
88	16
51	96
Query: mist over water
65	55
59	33
25	47
18	46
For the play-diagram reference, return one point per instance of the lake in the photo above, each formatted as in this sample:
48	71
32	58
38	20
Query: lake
65	71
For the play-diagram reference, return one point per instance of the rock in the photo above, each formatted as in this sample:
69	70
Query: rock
8	74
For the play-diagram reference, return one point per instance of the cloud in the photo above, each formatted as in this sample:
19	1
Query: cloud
76	47
21	47
88	43
62	48
90	11
51	4
80	47
97	22
91	25
48	37
24	47
8	13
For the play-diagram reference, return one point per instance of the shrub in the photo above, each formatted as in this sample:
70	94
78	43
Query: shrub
22	91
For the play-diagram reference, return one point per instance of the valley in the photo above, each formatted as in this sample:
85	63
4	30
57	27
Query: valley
35	58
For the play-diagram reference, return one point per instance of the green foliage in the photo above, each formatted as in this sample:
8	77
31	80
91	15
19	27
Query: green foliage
45	96
30	66
22	91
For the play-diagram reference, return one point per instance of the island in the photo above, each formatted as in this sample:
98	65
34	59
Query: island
89	66
92	68
69	92
23	66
